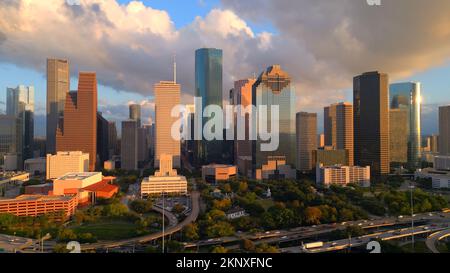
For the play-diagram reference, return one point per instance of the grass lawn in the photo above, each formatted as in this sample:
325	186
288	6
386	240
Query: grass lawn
106	229
419	247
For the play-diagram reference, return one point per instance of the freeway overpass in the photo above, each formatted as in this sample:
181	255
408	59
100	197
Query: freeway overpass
435	237
195	196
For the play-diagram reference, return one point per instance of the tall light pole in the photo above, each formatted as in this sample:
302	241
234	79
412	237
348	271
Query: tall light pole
163	216
412	214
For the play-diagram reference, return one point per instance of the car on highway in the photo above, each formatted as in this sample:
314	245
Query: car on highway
400	217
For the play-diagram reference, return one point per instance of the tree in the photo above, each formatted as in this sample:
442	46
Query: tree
248	245
191	232
219	249
66	235
219	229
115	210
178	209
313	215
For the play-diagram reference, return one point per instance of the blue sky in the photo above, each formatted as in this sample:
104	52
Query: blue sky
435	81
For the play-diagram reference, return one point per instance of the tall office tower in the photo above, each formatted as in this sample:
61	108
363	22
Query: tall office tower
434	144
444	130
338	126
408	96
306	131
399	136
143	144
112	139
102	140
371	121
135	113
58	84
273	88
208	86
129	145
20	103
10	143
167	96
79	130
241	96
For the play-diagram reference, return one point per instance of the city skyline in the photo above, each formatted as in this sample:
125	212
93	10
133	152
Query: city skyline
237	63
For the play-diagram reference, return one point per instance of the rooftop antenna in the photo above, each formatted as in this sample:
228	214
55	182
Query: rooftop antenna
174	68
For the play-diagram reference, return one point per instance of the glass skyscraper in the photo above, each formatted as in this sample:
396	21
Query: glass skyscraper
208	86
407	96
20	104
273	87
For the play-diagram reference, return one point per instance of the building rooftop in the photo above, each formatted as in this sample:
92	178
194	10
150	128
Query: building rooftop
41	198
78	176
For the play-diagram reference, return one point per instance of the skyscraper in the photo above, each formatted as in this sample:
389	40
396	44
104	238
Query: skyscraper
371	121
408	96
79	130
135	113
129	145
444	130
399	136
338	126
112	139
208	86
273	88
167	96
102	140
306	131
58	84
20	103
10	143
241	95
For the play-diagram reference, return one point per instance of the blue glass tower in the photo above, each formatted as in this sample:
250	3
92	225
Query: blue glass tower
208	86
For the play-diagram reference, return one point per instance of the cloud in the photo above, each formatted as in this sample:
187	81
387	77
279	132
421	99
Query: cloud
322	44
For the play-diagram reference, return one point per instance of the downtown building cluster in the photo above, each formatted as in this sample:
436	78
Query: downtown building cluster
375	134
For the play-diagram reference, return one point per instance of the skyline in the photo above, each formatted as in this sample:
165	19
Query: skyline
245	30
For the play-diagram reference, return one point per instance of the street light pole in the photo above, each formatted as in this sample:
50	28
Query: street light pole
412	215
163	216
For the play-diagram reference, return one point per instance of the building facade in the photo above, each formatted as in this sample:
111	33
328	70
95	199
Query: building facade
214	173
338	127
165	181
208	87
129	145
10	140
442	163
20	103
167	96
79	131
371	121
444	130
58	85
328	156
306	140
342	175
66	162
399	136
102	140
407	96
135	113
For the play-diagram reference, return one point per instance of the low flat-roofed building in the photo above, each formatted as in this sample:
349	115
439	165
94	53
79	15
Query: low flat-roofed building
440	179
12	179
42	189
342	175
35	165
330	157
276	169
214	173
164	181
66	162
109	165
36	205
442	163
87	186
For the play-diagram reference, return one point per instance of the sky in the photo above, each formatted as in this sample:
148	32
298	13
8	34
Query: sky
322	44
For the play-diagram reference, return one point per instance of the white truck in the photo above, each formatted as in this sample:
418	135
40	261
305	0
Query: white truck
312	245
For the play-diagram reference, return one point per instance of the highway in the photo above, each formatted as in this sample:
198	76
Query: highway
13	243
195	197
435	237
280	236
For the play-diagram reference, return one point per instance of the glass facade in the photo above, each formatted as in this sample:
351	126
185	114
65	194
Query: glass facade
20	104
208	86
273	87
407	96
